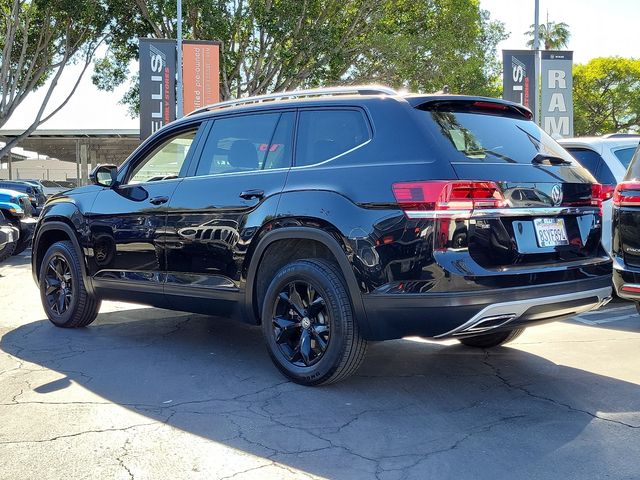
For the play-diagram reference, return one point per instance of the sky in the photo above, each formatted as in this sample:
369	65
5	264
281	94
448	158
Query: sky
598	28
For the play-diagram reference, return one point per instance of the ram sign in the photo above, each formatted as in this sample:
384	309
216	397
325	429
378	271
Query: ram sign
557	93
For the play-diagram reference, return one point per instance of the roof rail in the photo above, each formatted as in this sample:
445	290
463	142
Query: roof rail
316	92
621	135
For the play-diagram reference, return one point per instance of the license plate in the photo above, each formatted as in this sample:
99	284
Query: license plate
550	232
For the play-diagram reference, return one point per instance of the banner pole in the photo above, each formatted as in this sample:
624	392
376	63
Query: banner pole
536	48
179	65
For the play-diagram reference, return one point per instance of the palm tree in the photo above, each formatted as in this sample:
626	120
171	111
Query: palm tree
553	35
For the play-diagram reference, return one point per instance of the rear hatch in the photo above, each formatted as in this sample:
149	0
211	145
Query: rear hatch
525	202
626	215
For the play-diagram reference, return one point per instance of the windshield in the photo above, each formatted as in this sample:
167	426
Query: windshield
485	138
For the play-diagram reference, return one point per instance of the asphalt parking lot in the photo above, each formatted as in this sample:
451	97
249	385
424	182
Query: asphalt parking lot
146	393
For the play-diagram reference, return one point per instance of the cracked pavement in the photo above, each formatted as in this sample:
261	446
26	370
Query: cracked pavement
146	393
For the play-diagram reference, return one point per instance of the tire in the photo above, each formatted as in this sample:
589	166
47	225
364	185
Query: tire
315	310
77	308
638	308
7	251
489	340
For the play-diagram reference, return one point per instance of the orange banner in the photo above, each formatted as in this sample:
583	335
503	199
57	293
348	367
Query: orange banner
200	74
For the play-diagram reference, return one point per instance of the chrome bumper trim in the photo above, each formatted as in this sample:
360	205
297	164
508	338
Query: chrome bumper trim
511	311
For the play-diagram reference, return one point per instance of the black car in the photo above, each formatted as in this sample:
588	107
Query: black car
36	194
626	233
334	217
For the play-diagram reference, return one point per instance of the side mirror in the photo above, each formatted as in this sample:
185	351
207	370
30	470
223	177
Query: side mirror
104	175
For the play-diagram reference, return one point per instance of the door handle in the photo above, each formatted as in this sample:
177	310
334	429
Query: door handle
249	194
159	200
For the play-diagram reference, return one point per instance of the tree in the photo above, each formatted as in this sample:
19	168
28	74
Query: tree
552	35
40	38
275	45
606	96
423	46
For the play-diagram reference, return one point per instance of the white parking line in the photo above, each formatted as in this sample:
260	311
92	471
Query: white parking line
579	318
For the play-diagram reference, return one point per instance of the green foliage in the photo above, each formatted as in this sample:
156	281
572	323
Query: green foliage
606	96
552	35
275	45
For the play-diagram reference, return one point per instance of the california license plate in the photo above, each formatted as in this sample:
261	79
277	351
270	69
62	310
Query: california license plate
550	232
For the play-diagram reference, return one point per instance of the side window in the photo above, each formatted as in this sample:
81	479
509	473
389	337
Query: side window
248	143
165	161
624	155
325	134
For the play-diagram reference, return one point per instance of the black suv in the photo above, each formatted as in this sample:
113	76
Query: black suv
626	233
333	217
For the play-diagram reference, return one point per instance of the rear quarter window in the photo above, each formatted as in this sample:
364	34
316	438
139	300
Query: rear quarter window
326	134
633	172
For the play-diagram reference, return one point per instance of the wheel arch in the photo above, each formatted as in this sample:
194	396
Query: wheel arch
302	233
53	230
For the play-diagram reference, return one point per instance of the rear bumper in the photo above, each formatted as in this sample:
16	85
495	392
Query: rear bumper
466	314
626	280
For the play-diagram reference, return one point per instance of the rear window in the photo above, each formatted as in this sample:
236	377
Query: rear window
15	186
624	155
633	172
593	162
477	137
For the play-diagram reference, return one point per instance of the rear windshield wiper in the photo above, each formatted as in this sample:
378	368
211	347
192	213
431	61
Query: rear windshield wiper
541	159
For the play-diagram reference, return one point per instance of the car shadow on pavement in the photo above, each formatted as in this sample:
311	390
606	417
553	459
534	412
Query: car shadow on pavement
413	409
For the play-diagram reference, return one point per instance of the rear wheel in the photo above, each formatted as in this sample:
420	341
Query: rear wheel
308	324
7	251
489	340
64	296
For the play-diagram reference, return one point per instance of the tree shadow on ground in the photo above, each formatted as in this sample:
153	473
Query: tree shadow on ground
414	410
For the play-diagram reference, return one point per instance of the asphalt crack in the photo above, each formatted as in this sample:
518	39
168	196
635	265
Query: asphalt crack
507	383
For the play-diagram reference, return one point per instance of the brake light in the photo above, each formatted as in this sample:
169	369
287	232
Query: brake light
627	194
458	197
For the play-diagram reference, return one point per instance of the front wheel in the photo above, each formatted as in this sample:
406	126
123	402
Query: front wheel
62	291
489	340
309	326
7	251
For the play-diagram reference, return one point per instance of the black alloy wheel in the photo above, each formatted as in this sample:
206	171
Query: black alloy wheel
63	292
58	284
308	323
301	324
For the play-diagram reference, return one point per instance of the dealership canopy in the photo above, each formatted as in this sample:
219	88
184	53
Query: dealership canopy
84	147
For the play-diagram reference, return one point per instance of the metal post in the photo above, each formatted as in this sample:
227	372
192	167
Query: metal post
179	63
83	165
536	47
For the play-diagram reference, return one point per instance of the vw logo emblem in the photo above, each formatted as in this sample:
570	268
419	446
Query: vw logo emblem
556	195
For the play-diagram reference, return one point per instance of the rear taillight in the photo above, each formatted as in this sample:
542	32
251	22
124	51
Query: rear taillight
627	194
446	198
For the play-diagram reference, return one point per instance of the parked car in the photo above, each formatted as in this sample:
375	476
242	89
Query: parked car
35	193
49	187
8	238
334	217
607	158
626	233
16	209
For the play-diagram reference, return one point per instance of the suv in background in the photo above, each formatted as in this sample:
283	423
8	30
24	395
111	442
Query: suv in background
607	158
35	192
332	217
626	233
16	209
